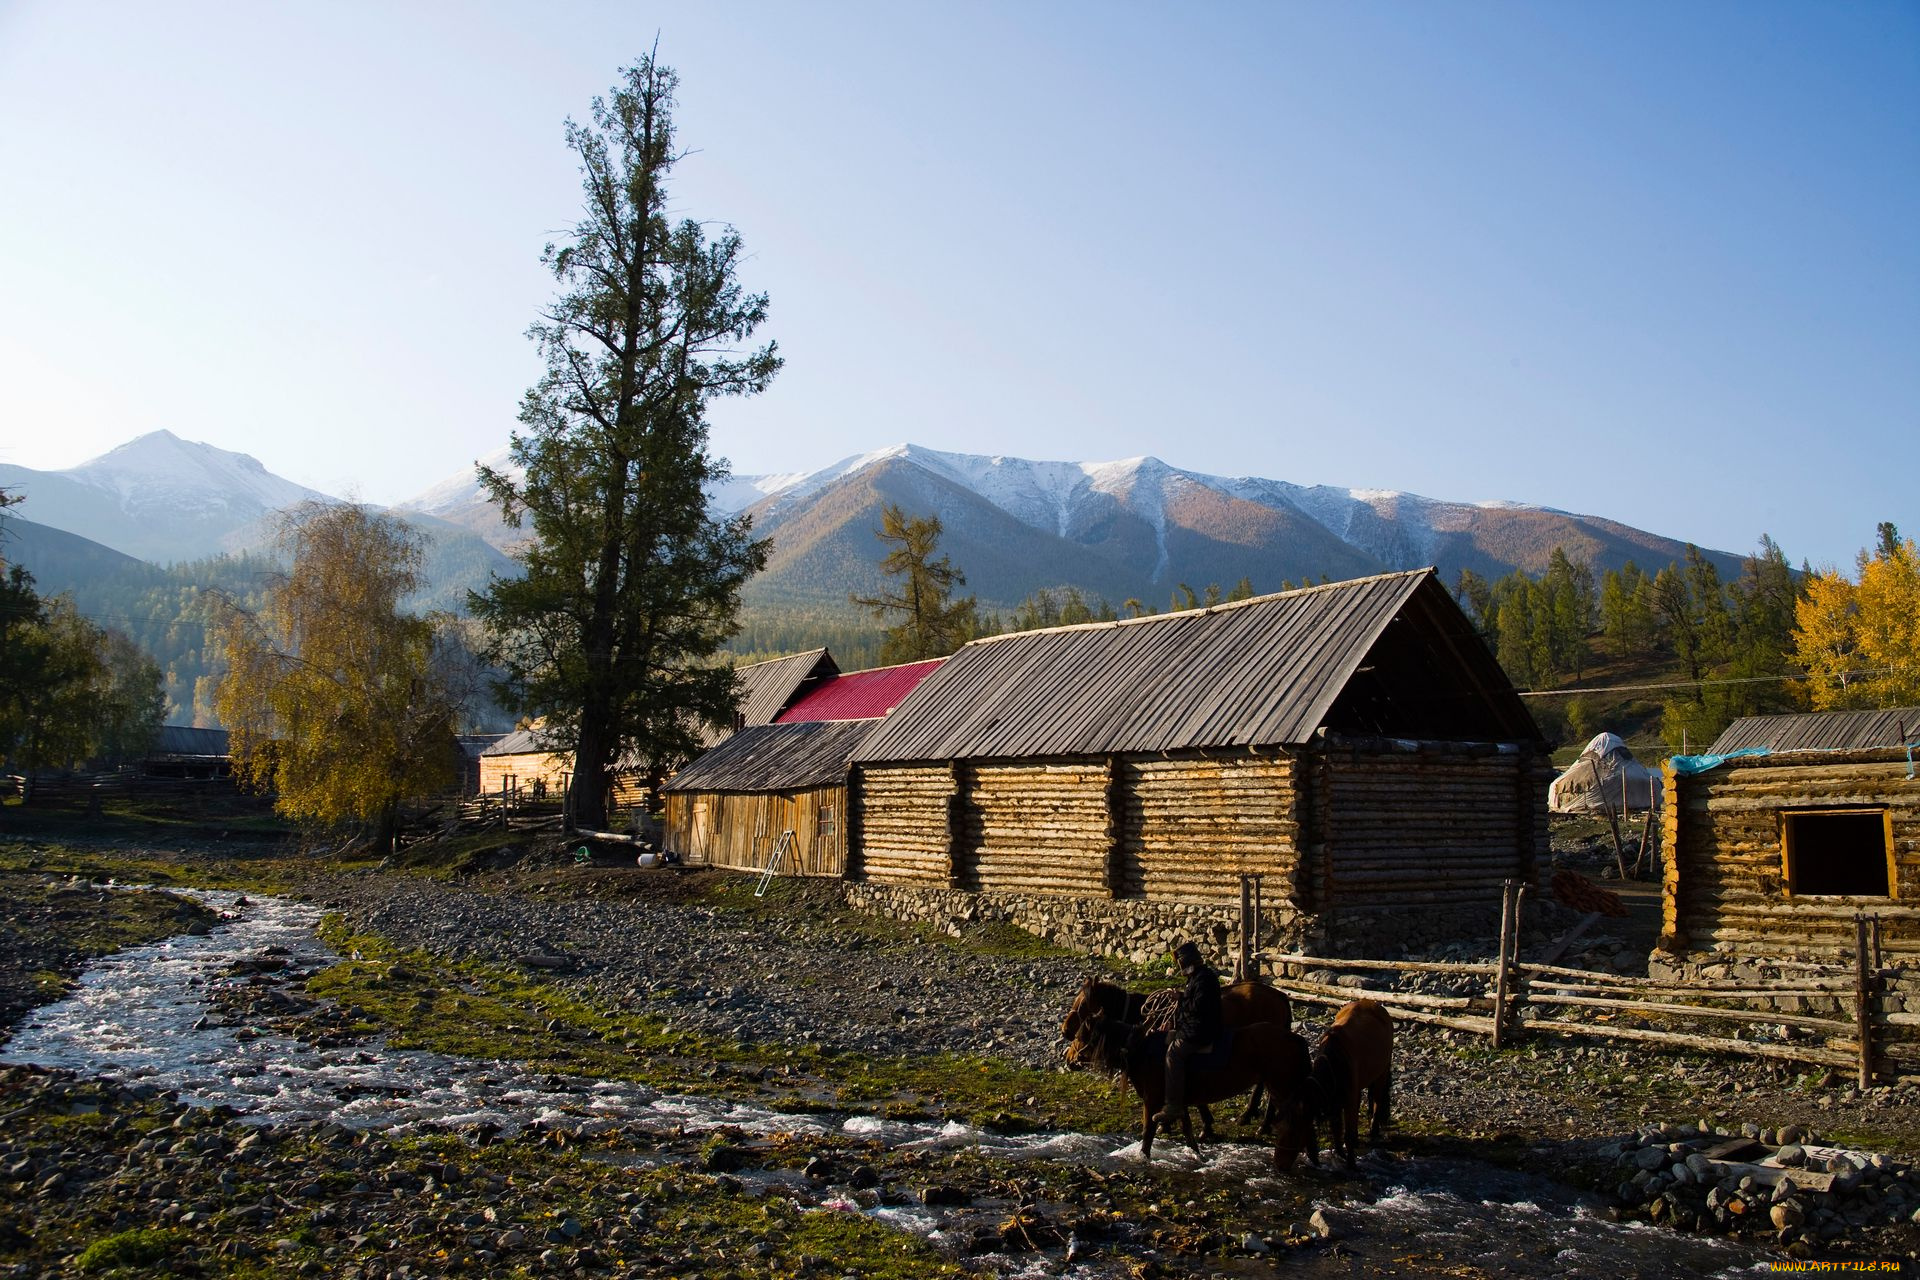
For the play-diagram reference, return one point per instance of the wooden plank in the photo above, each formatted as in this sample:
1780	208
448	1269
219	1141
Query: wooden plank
1718	1044
1412	999
1656	1009
1406	966
1480	1026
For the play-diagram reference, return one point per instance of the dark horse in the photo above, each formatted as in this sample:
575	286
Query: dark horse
1355	1053
1264	1055
1241	1004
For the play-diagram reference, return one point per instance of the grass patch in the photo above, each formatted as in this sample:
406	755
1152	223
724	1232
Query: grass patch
250	871
491	1011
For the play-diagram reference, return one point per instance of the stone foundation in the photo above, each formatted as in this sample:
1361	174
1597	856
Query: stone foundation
1896	1008
1143	932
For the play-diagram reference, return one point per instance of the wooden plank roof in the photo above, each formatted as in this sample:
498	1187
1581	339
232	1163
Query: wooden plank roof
776	757
521	742
1821	731
767	687
188	740
1259	672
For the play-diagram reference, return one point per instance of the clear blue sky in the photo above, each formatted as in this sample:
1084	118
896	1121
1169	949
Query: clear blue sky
1650	261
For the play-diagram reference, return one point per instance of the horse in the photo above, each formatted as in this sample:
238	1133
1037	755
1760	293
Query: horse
1241	1004
1355	1053
1262	1054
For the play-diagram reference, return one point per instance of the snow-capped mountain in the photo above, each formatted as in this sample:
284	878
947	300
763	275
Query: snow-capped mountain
157	497
1141	527
1136	527
460	499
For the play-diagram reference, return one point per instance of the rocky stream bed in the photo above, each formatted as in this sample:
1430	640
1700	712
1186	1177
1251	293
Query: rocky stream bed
211	1105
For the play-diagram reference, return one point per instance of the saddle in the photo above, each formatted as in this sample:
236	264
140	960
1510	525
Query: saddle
1217	1057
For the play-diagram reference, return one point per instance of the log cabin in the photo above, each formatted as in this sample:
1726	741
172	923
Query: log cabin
1785	829
1107	785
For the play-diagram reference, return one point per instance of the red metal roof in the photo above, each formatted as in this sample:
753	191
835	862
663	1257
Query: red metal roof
859	695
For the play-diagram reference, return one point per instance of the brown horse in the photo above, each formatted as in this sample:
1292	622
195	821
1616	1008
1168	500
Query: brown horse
1263	1054
1355	1053
1241	1004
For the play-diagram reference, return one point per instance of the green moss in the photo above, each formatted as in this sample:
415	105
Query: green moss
257	873
141	1247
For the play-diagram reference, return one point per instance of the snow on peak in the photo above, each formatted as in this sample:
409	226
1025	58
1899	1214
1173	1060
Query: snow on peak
160	471
461	489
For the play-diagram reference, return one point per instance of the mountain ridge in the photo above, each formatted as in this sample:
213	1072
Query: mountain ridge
1125	528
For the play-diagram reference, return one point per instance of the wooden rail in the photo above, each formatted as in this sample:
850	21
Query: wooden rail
1545	999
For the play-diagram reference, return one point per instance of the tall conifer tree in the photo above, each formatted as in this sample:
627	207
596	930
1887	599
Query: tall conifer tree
631	586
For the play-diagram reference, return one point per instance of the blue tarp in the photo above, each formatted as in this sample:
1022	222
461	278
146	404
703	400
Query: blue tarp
1687	765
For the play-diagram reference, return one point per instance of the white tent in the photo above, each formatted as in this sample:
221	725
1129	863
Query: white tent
1605	777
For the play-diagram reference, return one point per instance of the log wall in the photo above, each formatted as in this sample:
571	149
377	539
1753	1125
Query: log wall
1033	828
905	824
738	829
1427	825
1725	889
1189	828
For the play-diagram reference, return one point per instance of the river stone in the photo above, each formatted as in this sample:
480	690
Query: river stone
1650	1158
1791	1156
1327	1228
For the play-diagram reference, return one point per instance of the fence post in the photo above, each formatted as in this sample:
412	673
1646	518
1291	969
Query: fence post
1253	938
1862	999
1500	978
1246	909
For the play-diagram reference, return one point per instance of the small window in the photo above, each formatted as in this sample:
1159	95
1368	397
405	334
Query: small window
823	828
1838	853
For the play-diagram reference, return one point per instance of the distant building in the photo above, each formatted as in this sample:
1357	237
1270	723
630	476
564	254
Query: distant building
186	751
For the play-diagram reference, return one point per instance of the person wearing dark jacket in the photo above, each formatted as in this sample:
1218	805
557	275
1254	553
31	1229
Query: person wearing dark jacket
1196	1026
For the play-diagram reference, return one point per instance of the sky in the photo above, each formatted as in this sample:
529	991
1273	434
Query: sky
1655	262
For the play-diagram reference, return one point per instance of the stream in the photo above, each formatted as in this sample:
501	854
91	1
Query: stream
143	1016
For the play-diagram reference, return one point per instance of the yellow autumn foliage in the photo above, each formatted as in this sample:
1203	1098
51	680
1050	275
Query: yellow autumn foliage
1860	643
331	695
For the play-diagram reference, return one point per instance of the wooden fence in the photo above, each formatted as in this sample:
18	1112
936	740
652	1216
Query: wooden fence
1505	997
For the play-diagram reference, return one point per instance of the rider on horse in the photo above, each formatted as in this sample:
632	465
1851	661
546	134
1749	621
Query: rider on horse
1196	1026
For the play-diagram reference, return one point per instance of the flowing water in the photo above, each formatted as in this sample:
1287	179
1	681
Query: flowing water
144	1015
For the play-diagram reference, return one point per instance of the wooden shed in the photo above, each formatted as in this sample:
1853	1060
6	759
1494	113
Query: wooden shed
1786	829
1355	745
729	807
187	751
526	764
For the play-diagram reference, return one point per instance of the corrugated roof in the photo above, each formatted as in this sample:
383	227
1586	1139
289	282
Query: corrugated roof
186	740
1821	731
777	757
859	695
521	742
767	687
1256	672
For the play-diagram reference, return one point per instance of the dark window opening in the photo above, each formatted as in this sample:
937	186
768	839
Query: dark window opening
1837	853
